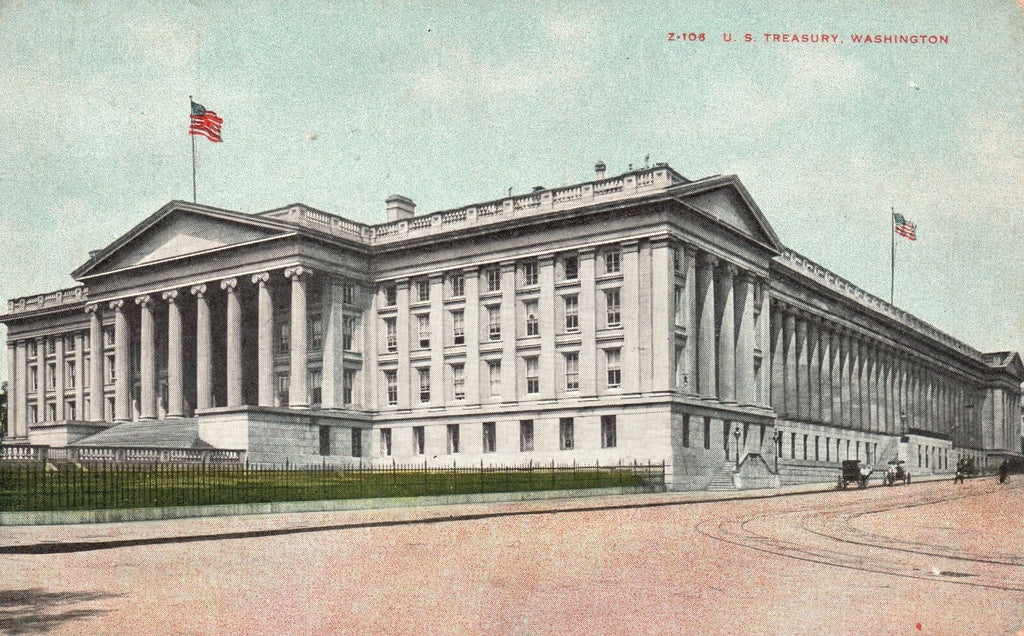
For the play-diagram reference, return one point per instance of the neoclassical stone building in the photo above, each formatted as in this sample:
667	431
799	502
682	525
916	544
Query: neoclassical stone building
642	317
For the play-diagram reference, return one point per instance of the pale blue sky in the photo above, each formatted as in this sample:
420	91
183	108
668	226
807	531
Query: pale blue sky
338	105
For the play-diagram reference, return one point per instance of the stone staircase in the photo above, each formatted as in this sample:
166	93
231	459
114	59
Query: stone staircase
170	433
722	480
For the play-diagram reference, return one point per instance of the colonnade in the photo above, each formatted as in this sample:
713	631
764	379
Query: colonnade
832	374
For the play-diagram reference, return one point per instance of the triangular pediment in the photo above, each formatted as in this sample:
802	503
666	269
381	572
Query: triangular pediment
725	200
180	231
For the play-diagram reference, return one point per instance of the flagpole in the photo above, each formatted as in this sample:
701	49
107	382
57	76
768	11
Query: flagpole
194	200
892	258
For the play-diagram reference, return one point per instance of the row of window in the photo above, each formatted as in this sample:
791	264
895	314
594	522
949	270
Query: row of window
613	376
527	275
570	313
489	437
50	375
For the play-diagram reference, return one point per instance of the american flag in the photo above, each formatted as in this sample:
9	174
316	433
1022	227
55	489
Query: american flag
204	122
903	227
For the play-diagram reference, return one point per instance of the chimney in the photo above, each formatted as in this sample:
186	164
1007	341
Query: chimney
599	169
399	207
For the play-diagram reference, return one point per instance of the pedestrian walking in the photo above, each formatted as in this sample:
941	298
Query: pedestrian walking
1004	470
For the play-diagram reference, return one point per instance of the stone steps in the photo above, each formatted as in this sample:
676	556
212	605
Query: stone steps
170	433
722	479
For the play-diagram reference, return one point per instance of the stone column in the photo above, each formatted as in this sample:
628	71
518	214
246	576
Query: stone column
122	368
13	378
727	333
508	328
745	338
408	378
21	390
825	373
96	397
802	368
871	364
175	356
437	374
778	371
706	357
233	366
814	367
471	323
58	381
763	345
690	254
297	387
204	349
630	298
789	336
836	376
147	358
41	380
846	381
663	314
265	339
859	383
80	413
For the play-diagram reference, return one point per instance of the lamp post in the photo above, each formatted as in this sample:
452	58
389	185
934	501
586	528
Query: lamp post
736	434
777	436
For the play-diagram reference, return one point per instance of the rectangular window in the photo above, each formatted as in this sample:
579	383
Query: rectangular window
494	371
385	441
424	385
316	382
69	344
612	262
459	381
424	328
817	456
493	275
283	382
453	439
390	296
33	412
458	328
529	273
494	323
678	300
33	378
51	375
284	338
572	372
357	442
86	345
490	437
86	378
570	268
613	316
348	292
614	370
391	380
69	410
457	285
51	347
572	318
532	324
110	416
418	440
565	433
828	449
348	329
348	381
108	338
532	376
707	433
316	333
111	369
51	412
525	436
686	431
325	440
391	331
69	374
423	290
805	447
608	431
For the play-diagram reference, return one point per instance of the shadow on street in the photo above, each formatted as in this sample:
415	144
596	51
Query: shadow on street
36	611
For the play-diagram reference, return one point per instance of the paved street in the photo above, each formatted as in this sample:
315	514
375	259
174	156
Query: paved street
929	558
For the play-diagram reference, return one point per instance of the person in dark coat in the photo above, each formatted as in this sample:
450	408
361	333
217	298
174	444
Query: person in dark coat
1004	469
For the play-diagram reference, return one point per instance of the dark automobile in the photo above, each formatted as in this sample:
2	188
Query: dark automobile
853	472
896	472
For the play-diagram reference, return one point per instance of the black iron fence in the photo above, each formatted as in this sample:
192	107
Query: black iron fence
26	486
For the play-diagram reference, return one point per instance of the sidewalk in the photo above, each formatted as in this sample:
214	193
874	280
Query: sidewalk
43	539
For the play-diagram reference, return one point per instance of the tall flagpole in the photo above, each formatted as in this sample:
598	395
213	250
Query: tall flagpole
892	258
194	200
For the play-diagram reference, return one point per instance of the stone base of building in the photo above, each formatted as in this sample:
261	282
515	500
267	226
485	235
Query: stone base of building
63	433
